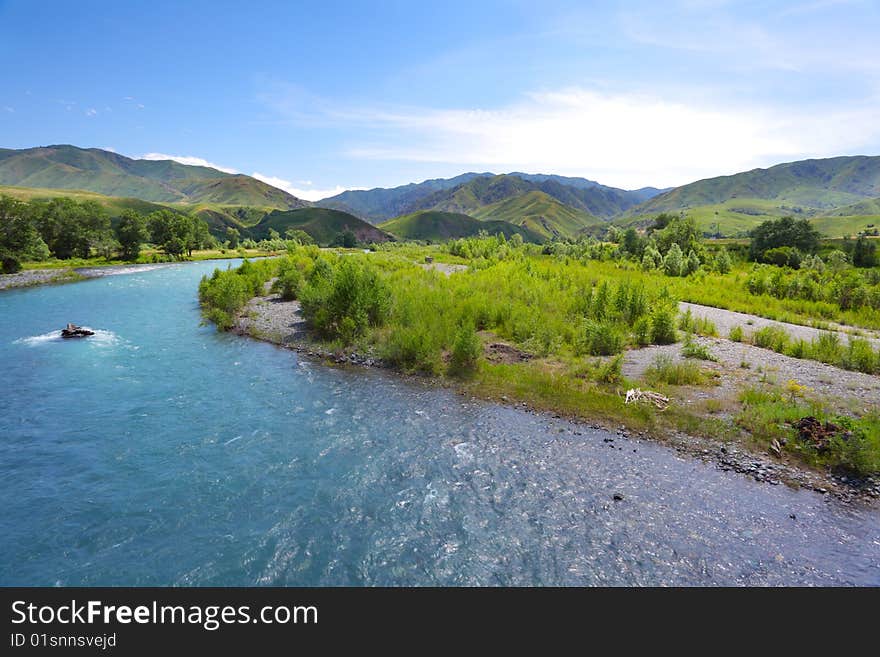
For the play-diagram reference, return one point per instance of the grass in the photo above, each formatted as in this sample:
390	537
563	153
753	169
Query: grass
665	370
769	415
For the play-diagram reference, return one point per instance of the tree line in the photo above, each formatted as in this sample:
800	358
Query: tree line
65	228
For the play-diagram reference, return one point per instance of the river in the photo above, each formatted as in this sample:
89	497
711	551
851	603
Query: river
160	452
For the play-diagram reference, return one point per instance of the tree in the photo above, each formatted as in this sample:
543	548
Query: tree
298	235
173	232
131	231
70	228
774	233
232	236
682	231
347	239
692	264
612	234
864	252
673	263
633	244
199	235
19	238
722	261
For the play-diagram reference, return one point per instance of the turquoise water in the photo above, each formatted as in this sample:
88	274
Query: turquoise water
160	452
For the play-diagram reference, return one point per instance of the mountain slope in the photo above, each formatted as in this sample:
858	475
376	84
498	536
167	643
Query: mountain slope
324	225
111	174
437	226
540	213
808	184
380	204
465	193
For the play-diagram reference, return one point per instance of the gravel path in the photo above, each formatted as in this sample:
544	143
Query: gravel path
845	390
725	320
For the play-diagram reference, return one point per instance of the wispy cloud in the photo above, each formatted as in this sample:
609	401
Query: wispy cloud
188	159
90	112
307	194
7	108
629	140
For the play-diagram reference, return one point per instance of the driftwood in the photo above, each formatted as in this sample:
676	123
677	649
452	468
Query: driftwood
637	394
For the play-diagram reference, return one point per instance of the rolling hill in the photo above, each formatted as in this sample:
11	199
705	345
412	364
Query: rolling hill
437	226
160	181
540	213
324	225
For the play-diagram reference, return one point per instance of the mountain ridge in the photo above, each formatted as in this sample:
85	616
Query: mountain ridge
67	167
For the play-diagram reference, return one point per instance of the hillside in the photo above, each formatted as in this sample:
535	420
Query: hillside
540	213
324	225
732	205
113	204
437	226
160	181
469	191
380	204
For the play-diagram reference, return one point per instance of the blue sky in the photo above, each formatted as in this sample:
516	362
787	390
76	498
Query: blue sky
316	97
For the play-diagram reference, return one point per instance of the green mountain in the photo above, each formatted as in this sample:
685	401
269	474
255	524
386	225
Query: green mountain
111	174
806	188
540	213
437	226
380	204
324	225
469	191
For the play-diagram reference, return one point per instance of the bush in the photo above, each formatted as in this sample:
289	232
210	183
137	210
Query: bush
860	356
602	338
826	348
342	302
736	333
771	337
466	349
663	326
10	264
691	349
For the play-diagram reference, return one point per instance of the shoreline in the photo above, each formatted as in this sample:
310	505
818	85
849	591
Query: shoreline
269	319
77	273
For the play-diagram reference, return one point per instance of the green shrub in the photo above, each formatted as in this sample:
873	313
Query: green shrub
798	349
736	333
678	373
860	356
610	371
691	349
10	264
642	331
827	348
771	337
466	350
602	338
663	326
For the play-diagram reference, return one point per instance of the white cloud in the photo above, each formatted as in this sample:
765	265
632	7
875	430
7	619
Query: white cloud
627	140
305	194
91	112
187	159
280	183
